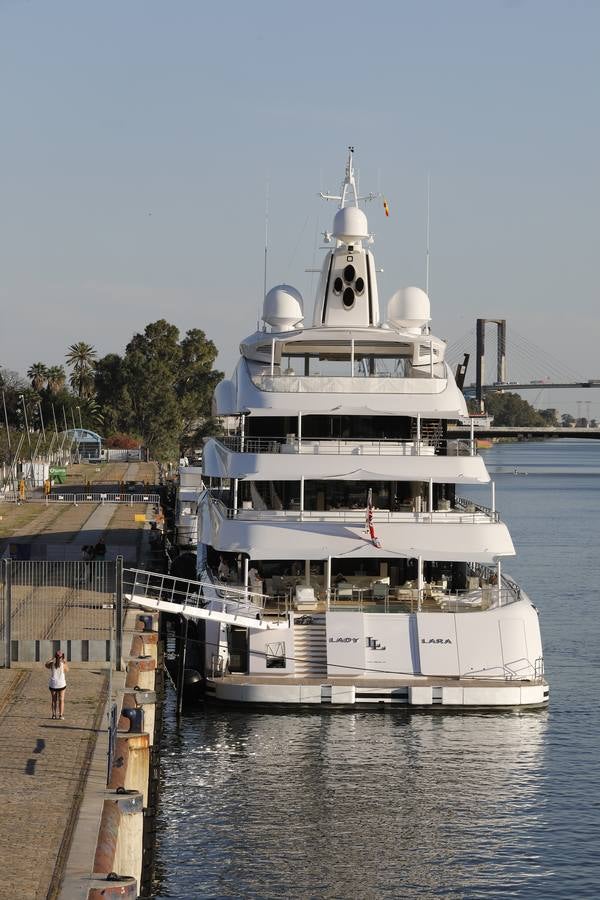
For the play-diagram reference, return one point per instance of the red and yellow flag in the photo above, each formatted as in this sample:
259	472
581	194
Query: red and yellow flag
386	207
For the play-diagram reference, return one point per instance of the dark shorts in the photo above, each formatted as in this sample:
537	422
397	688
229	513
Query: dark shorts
58	690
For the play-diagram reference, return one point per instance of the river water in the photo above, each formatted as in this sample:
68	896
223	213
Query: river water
415	804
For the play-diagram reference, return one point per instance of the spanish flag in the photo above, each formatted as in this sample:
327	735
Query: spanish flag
386	207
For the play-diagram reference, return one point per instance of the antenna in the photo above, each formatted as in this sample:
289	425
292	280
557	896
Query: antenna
266	237
427	235
349	185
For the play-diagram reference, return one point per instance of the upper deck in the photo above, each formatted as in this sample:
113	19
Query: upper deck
355	372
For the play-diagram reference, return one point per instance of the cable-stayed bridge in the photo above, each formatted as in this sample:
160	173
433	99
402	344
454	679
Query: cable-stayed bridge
531	367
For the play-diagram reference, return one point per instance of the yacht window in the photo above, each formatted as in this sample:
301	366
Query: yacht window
348	298
338	284
360	285
275	655
349	274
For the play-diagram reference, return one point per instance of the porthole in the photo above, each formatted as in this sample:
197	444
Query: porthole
359	286
349	274
338	284
348	298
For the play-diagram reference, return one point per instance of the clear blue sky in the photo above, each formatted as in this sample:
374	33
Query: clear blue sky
138	137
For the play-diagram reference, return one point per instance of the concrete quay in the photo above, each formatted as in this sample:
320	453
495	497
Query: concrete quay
45	764
71	828
67	821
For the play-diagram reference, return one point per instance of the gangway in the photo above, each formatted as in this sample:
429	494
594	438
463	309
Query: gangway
198	600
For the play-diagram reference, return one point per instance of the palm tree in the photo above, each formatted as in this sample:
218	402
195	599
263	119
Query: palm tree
80	357
56	378
38	373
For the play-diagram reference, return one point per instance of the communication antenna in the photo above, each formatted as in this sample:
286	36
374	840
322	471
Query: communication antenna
266	237
427	235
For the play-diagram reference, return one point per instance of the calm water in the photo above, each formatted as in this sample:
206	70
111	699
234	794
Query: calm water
403	805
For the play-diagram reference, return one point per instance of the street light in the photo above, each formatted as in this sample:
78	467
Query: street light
42	419
78	408
6	420
22	399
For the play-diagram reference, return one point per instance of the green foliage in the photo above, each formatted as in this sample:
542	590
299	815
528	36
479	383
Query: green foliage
150	369
195	386
111	393
38	373
56	379
80	358
160	390
510	409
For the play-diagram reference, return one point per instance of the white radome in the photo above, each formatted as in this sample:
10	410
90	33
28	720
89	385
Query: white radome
283	307
409	308
350	224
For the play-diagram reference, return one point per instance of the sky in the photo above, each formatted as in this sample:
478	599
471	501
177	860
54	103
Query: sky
141	139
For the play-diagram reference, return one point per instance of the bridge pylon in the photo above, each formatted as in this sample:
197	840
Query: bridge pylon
480	353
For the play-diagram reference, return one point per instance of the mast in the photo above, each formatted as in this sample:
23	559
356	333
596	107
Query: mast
348	187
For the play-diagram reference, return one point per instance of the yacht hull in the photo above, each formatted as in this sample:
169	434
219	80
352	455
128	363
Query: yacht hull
441	694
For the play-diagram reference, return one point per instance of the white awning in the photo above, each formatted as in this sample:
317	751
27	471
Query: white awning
295	540
219	462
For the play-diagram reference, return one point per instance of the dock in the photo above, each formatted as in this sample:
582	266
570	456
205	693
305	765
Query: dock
54	786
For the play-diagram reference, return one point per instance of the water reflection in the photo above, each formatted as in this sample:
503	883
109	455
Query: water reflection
352	805
415	805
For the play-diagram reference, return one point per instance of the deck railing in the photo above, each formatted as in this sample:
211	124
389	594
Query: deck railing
206	592
348	447
467	512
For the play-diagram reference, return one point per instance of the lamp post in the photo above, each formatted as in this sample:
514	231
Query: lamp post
6	420
78	408
54	418
22	399
42	419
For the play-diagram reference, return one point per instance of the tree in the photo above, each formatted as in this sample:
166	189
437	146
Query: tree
38	374
550	416
510	409
169	385
80	357
195	387
56	379
111	392
150	369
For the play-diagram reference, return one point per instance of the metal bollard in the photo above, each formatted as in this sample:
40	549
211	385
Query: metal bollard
136	718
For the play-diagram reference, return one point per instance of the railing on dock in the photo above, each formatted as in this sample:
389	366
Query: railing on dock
99	497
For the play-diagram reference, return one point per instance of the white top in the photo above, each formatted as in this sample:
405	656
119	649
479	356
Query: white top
57	677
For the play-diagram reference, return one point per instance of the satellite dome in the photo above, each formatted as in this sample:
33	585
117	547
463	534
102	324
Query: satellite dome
350	224
409	308
283	307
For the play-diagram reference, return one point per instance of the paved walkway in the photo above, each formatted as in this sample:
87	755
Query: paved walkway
43	764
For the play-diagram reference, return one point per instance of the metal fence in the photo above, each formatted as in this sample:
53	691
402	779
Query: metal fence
124	499
62	602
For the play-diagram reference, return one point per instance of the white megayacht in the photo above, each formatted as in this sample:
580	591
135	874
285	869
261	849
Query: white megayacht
338	562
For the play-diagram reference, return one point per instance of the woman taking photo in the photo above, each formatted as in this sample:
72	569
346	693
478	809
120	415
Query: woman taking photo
58	683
